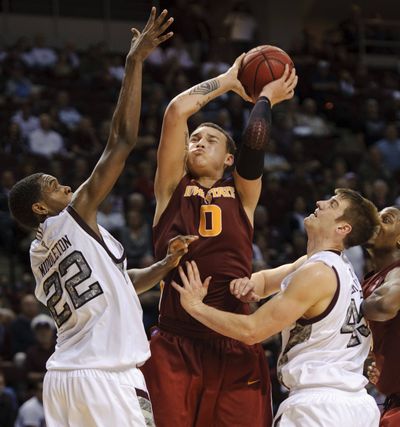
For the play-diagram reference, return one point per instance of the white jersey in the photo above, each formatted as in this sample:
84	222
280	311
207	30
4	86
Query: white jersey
83	281
329	350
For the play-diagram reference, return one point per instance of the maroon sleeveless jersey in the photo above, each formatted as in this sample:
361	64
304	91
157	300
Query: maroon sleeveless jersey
386	339
223	250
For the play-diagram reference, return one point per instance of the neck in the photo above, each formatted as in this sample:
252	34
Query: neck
382	258
319	244
207	181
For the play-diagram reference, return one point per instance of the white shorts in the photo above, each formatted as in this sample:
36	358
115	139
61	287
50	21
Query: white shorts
95	398
316	408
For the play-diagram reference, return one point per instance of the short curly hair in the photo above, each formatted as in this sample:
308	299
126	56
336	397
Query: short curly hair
22	196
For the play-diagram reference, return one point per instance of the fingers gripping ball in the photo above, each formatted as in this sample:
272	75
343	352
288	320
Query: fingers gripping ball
262	65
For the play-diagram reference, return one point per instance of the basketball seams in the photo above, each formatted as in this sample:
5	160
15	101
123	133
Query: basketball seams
254	75
266	60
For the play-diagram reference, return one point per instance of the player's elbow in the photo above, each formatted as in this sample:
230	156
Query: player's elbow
249	334
176	109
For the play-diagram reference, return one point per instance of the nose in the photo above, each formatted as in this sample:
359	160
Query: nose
67	189
200	143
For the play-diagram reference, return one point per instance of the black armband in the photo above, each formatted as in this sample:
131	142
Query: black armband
250	162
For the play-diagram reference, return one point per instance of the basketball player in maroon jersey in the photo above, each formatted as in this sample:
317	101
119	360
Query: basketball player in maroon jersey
195	376
381	307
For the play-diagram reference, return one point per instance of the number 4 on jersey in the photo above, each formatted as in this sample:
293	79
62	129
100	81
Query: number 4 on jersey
352	325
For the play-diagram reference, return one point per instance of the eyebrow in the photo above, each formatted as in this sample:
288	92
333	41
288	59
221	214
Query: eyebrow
208	135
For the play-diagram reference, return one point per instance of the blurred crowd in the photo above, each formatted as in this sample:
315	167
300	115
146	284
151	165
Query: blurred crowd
341	130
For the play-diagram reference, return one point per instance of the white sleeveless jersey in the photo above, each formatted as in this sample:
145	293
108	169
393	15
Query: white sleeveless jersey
82	279
329	350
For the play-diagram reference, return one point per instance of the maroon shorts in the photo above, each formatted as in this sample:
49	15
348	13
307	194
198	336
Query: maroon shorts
215	382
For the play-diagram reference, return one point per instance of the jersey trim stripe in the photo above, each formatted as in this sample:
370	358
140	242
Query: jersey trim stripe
328	309
89	231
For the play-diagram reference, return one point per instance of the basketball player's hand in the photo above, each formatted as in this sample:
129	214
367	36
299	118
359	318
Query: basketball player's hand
281	89
232	76
193	290
177	247
243	289
143	43
373	373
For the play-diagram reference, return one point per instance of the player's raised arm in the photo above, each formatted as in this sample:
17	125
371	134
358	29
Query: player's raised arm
384	303
125	120
250	161
171	154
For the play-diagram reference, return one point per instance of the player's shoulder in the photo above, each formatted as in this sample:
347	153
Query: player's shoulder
394	275
314	275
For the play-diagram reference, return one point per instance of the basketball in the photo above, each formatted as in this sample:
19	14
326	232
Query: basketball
262	65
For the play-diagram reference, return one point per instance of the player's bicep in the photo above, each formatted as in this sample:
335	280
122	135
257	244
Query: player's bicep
278	313
292	303
171	154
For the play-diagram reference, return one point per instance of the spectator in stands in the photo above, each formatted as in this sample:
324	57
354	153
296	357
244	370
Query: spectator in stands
116	68
380	194
7	407
6	317
38	354
136	239
22	336
372	123
295	218
7	180
110	214
372	166
308	122
83	139
18	86
31	413
389	147
68	115
241	27
42	56
178	53
26	120
12	141
275	163
45	141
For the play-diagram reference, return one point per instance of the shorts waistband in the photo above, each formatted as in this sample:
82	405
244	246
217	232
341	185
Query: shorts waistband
328	390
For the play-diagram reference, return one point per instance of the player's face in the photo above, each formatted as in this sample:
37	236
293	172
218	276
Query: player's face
207	152
388	236
327	213
55	197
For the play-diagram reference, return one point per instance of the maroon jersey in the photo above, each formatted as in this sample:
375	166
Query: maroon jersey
386	339
223	251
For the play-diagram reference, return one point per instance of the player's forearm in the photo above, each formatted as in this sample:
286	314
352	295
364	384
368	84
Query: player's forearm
144	279
192	100
237	326
269	281
125	121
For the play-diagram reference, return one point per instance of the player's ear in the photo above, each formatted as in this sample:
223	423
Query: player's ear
229	159
344	228
39	209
